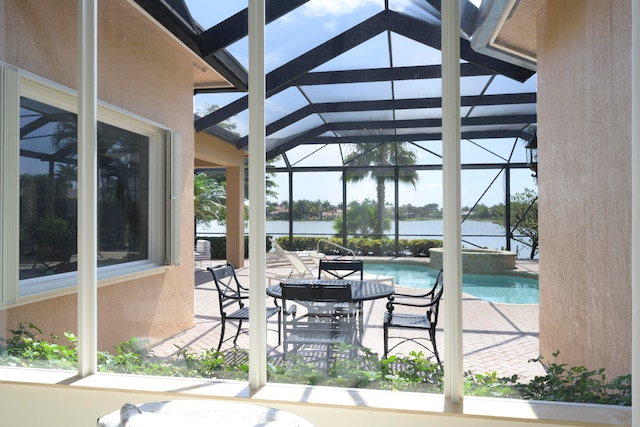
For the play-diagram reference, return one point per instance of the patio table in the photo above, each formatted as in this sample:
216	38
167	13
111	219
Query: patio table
361	290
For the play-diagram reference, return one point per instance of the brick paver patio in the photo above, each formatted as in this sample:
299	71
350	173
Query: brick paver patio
497	337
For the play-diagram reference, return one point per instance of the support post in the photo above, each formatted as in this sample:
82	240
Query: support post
507	206
452	229
87	186
257	198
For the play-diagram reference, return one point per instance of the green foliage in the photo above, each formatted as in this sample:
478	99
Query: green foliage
24	348
384	154
576	384
132	357
227	124
490	385
215	364
412	373
421	247
362	220
53	229
294	370
209	199
560	384
365	246
524	216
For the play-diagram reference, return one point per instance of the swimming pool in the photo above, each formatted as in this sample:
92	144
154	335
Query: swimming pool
504	289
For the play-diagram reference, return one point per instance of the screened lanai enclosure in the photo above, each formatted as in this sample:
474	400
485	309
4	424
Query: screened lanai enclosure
354	115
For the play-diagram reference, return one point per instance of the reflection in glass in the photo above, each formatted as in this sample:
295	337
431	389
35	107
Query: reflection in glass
49	192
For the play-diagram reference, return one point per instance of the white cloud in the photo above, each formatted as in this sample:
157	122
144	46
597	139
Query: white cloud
403	5
335	7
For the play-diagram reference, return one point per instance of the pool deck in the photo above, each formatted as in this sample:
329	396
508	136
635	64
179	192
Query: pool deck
497	337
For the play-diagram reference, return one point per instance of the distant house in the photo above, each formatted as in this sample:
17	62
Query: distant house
332	214
278	212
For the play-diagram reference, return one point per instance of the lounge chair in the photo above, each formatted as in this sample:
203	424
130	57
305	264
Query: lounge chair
301	269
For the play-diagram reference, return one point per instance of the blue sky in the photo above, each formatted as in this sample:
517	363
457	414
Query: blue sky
319	20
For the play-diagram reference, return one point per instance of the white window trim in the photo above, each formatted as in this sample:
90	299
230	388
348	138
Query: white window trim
164	218
9	189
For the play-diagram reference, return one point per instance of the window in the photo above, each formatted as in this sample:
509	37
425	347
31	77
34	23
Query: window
48	192
133	216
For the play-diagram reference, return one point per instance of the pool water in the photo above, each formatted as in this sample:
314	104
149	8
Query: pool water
504	289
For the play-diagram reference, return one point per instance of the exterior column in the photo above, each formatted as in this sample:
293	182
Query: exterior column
235	216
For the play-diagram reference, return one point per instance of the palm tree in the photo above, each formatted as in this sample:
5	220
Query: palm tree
388	153
209	199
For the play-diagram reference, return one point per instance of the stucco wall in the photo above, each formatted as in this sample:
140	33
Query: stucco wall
143	71
584	172
214	152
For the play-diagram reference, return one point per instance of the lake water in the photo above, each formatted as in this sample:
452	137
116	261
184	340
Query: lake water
480	233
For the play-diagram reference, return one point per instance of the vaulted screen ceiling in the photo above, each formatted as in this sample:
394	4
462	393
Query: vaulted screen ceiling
369	75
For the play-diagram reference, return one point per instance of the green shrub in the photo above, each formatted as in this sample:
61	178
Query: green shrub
422	247
215	364
24	347
414	372
576	384
364	246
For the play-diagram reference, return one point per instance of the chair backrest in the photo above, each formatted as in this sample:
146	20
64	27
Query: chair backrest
227	284
436	295
277	248
340	269
203	246
299	267
334	292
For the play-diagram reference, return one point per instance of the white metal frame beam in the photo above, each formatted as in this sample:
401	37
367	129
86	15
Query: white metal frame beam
257	188
452	230
87	185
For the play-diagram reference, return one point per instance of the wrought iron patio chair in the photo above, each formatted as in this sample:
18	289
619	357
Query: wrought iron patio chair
427	320
325	328
341	269
232	294
344	269
349	269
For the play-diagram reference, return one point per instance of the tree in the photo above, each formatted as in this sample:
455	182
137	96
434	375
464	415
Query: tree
221	178
210	108
209	199
389	154
524	216
361	219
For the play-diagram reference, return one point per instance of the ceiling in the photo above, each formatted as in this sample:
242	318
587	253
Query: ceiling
368	75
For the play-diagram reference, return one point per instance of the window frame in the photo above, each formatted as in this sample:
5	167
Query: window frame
163	151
